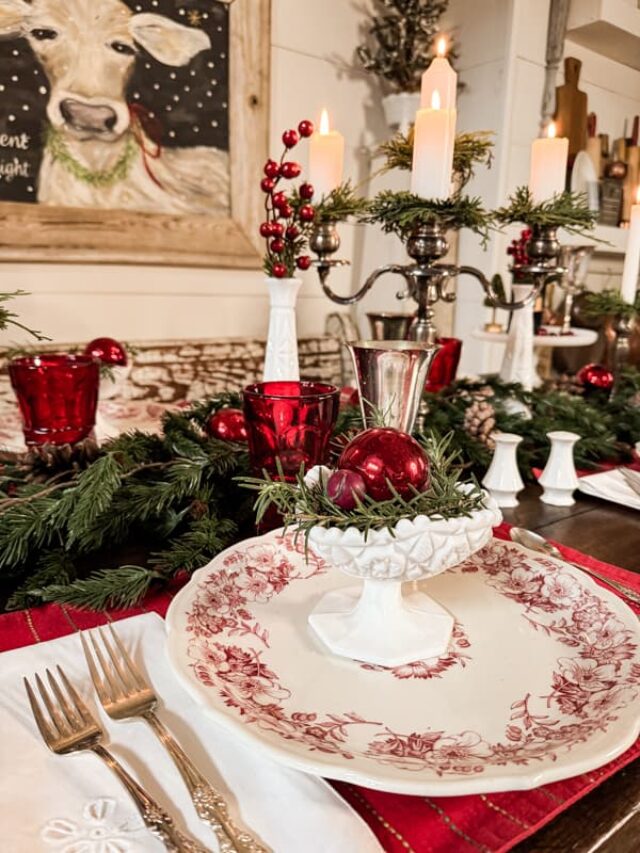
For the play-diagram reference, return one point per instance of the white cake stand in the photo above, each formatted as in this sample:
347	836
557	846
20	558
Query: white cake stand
578	338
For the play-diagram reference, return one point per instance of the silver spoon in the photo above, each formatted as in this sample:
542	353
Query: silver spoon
535	542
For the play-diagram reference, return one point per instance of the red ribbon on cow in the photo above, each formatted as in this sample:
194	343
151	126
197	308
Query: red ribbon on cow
145	126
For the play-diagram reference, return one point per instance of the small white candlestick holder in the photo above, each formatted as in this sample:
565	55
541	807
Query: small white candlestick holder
559	479
503	480
281	357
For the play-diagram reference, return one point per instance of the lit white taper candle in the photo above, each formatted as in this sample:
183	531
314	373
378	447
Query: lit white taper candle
632	256
440	76
434	137
326	158
548	165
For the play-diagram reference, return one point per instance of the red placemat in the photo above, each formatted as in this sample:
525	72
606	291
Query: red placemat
490	823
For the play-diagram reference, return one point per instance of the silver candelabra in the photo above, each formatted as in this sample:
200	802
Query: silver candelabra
427	280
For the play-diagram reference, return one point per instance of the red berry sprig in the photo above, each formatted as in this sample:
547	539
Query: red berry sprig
289	213
518	251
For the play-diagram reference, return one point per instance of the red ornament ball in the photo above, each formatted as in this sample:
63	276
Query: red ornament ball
303	262
271	169
290	169
228	425
307	213
279	271
306	128
383	455
107	351
277	245
290	138
267	185
346	488
306	191
595	377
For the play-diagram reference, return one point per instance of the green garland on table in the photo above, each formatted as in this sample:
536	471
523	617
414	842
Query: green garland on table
565	210
609	302
170	502
148	507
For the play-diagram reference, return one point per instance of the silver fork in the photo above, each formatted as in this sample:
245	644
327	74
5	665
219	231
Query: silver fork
124	694
70	727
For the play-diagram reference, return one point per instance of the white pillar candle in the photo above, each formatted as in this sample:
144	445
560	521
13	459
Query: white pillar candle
632	256
440	76
433	143
548	166
326	159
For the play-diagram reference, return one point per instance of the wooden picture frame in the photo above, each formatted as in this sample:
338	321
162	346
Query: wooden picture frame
42	233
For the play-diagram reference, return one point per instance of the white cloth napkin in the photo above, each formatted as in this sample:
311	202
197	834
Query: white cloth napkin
610	486
74	804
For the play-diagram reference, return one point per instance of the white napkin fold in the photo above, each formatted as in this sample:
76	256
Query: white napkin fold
610	486
74	804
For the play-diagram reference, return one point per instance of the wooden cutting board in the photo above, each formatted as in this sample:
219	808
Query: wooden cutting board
571	108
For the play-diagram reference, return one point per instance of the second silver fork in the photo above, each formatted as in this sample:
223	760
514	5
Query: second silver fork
124	693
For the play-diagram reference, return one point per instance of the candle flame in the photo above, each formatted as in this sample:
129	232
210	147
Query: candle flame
324	123
441	46
551	130
436	102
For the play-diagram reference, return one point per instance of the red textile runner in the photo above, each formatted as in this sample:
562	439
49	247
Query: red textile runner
492	823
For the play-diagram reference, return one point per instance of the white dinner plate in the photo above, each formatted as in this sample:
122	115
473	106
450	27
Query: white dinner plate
540	681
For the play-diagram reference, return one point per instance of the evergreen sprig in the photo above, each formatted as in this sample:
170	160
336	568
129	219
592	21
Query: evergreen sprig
470	150
10	318
304	507
341	204
565	210
609	303
401	212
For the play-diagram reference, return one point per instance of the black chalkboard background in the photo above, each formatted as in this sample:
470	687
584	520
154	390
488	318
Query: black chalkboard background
190	103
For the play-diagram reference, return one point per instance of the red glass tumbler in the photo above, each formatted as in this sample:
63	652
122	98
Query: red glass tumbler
57	396
445	364
289	422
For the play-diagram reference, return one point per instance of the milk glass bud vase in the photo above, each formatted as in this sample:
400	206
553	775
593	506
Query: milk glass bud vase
559	479
518	364
281	358
503	480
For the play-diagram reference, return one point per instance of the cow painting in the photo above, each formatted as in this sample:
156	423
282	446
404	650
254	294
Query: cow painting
98	149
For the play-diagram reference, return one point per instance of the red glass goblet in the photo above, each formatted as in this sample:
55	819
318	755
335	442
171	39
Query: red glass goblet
290	423
57	396
445	364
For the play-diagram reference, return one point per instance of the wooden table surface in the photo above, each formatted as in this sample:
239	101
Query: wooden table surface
608	819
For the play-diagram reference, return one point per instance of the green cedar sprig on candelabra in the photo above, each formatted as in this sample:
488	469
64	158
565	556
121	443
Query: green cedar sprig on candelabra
341	204
401	212
609	302
565	210
470	150
303	506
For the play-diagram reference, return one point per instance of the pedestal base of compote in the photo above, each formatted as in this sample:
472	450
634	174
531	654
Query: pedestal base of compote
375	623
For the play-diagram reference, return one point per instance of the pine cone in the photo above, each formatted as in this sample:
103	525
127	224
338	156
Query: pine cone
480	421
46	459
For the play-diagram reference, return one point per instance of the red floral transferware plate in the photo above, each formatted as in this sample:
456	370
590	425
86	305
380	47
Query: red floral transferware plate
540	681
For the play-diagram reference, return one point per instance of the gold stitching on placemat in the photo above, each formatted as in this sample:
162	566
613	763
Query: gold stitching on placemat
452	826
385	823
551	796
32	627
504	812
67	616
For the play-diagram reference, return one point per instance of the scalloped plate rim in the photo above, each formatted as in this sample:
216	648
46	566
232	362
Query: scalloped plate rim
334	767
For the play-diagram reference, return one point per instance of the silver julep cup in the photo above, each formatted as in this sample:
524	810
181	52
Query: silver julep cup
391	376
387	326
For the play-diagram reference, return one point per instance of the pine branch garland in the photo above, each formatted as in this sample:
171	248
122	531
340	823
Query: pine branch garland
119	588
565	210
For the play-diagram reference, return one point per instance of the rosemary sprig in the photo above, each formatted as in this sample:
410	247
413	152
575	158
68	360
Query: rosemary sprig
566	210
304	507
